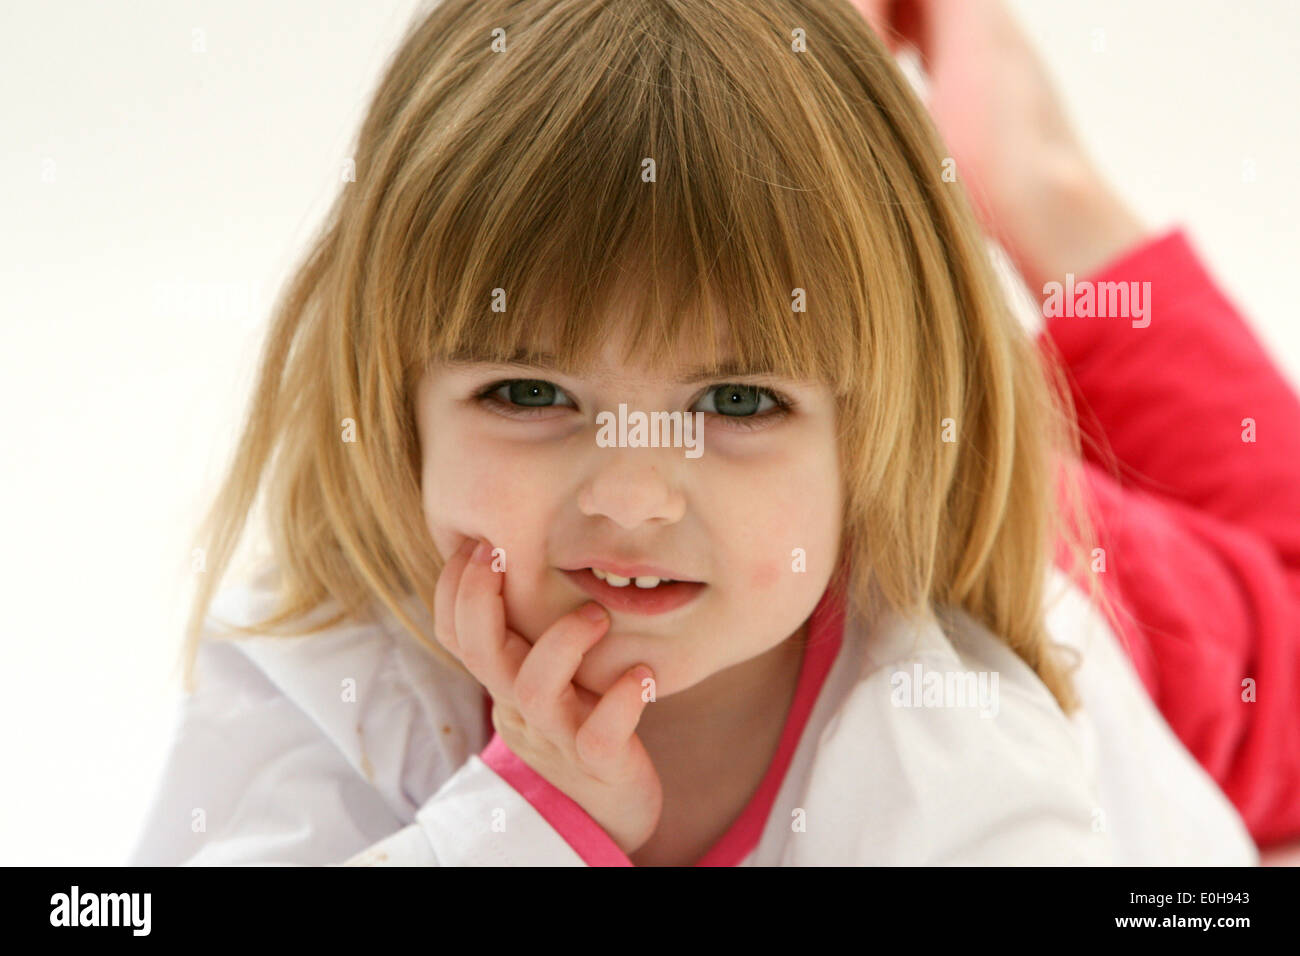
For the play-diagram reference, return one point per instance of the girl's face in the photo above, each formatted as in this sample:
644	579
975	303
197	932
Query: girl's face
752	513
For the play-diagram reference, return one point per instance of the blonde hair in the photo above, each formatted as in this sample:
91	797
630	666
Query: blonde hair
517	161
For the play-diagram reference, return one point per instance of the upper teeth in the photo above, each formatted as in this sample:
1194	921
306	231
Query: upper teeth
618	581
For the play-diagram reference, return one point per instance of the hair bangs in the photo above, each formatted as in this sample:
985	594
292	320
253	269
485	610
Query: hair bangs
638	213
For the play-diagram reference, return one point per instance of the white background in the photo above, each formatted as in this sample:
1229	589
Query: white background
135	285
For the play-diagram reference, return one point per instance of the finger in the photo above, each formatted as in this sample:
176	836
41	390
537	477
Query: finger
602	740
444	598
490	651
544	689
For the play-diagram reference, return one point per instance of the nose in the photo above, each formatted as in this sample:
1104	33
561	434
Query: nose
632	486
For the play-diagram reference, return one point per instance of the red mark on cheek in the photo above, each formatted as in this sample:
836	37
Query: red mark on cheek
765	576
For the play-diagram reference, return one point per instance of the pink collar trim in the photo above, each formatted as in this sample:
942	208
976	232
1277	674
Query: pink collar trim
593	844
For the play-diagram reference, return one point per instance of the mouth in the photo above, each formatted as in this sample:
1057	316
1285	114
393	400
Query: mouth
637	596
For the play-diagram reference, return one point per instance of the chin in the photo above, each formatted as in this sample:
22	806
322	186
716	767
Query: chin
598	673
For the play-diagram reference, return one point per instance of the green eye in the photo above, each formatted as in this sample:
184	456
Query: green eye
737	400
531	392
737	406
524	396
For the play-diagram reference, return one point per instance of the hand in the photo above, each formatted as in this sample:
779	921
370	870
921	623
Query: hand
585	745
1030	179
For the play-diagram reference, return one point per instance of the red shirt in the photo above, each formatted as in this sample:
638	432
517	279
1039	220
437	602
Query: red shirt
1200	520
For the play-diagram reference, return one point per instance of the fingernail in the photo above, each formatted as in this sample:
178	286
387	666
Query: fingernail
482	553
643	672
593	612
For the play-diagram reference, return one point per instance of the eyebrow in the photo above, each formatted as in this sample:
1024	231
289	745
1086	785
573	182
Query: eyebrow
549	362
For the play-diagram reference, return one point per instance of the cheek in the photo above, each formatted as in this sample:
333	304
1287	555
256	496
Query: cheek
477	495
791	540
766	575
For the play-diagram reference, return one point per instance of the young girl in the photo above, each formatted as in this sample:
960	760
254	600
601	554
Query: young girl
884	610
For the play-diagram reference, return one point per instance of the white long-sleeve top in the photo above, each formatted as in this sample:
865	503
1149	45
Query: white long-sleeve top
356	745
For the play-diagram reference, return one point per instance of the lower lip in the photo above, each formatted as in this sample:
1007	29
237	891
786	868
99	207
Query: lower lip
634	600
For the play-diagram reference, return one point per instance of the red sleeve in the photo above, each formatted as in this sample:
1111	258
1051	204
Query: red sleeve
1201	528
